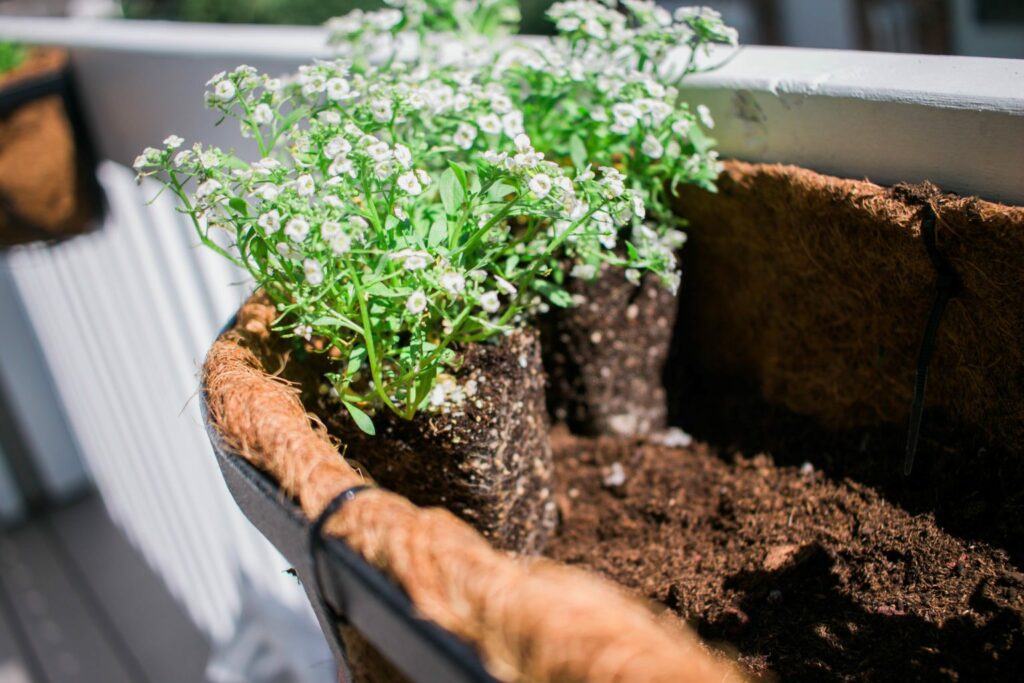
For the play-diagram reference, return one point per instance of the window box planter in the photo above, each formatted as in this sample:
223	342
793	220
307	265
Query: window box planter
47	185
761	553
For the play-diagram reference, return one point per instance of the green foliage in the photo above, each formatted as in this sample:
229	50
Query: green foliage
309	12
11	56
398	212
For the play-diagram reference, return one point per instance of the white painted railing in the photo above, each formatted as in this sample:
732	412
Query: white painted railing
124	315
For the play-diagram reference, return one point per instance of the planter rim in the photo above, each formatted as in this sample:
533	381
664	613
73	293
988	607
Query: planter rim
352	587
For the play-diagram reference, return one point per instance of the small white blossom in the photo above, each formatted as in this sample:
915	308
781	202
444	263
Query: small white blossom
453	283
409	183
313	271
540	185
338	89
263	114
340	243
270	221
173	141
583	271
336	147
464	136
705	116
489	123
505	286
416	303
305	185
224	90
490	302
297	229
207	188
304	331
403	156
652	147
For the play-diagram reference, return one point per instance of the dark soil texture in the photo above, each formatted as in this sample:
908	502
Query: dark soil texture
803	574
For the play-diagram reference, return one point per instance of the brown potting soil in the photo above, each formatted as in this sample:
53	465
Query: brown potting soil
805	576
818	289
488	460
605	357
43	190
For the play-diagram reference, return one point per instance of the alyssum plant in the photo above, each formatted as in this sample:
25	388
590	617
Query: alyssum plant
364	239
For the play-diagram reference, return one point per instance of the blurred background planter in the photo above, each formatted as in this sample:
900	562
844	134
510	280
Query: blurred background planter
47	178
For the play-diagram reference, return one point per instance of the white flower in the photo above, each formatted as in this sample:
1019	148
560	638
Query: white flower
379	151
705	116
409	183
505	286
207	188
540	185
381	110
681	127
329	229
297	229
416	303
268	192
411	259
183	157
173	141
358	224
273	84
224	90
652	147
270	221
337	147
342	166
464	135
633	276
489	123
340	243
305	185
583	271
304	331
338	89
453	283
313	271
384	169
489	302
403	156
512	123
263	114
639	210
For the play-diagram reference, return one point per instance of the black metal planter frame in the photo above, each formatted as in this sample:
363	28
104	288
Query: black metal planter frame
350	590
60	82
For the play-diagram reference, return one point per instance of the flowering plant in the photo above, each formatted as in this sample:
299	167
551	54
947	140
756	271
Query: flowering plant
368	241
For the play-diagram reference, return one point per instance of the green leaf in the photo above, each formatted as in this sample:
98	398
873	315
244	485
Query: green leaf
577	152
438	232
451	192
362	420
555	294
460	175
239	205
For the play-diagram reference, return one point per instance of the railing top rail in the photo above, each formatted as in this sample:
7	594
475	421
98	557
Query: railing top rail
958	121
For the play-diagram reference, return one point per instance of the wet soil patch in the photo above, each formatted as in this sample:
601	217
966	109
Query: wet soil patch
805	576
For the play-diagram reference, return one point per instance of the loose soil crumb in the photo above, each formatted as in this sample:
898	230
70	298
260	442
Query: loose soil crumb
805	578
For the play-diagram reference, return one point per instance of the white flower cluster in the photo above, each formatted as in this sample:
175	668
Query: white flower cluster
397	212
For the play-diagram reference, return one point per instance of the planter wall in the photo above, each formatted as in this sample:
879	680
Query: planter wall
526	620
818	289
47	184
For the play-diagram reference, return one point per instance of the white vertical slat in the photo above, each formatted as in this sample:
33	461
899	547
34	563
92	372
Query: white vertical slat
123	317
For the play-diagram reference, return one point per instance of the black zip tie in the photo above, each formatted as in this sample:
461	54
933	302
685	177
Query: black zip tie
947	285
316	544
